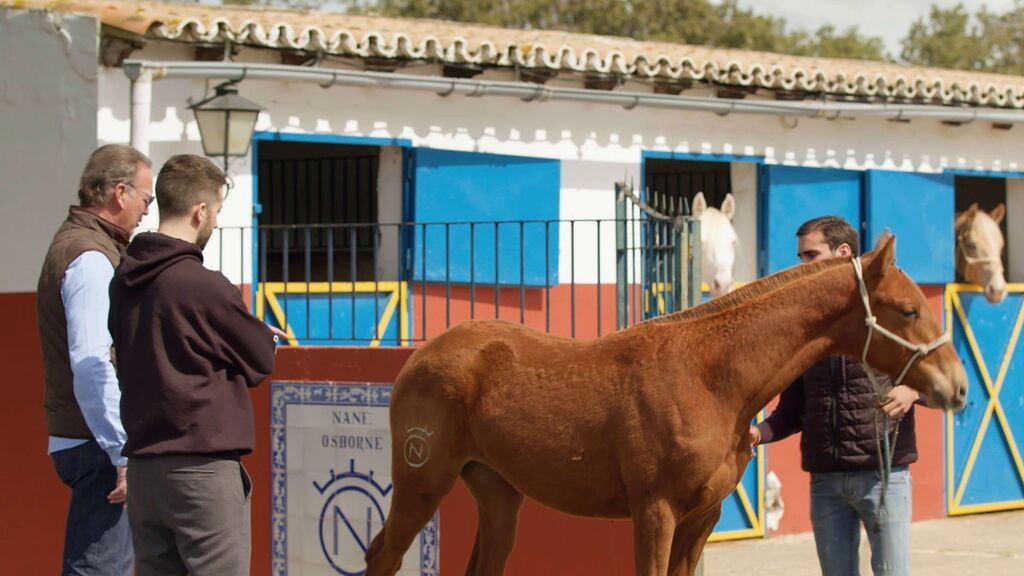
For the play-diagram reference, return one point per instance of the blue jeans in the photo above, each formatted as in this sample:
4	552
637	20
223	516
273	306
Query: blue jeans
842	501
97	540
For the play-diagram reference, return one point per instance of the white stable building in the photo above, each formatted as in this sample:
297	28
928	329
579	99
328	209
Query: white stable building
401	169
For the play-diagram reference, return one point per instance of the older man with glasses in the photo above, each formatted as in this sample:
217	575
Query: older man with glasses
81	391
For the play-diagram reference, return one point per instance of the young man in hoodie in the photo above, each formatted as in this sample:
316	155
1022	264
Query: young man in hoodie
187	353
834	406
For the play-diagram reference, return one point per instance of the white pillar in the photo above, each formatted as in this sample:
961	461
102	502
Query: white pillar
1015	229
389	209
142	104
744	188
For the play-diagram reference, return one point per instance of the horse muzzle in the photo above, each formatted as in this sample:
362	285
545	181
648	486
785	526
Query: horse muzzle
995	294
949	389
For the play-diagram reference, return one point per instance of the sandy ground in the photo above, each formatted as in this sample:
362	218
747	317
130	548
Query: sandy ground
984	544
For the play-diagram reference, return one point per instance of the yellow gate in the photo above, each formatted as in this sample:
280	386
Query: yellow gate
339	313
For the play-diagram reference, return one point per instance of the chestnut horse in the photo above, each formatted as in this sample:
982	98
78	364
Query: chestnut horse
649	423
979	250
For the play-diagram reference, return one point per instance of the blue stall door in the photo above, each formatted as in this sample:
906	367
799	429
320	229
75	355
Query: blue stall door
983	449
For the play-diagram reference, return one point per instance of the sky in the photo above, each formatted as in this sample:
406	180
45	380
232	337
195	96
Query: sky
888	19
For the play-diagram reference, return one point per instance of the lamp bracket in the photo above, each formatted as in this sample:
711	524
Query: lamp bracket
218	90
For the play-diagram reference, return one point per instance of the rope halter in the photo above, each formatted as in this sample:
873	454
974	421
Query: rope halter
969	260
919	350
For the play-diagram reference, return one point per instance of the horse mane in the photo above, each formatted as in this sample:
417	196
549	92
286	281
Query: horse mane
750	291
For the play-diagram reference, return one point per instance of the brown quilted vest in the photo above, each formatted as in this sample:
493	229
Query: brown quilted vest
81	232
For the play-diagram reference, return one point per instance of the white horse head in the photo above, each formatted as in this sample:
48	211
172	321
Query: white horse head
979	250
718	243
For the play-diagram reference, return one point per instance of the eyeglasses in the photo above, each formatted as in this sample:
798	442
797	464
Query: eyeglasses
147	200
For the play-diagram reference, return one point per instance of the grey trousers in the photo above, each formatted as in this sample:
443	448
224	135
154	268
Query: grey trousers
189	515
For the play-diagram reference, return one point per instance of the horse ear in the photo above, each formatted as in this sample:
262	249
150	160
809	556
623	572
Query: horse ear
729	206
961	219
699	205
884	255
999	213
966	216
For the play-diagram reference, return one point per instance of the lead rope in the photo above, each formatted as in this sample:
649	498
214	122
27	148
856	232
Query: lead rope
886	449
885	446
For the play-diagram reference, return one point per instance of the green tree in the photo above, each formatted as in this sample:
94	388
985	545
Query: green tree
724	25
1003	35
849	44
947	39
700	22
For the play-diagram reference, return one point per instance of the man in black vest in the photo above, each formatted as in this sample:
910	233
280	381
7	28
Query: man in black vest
81	391
835	407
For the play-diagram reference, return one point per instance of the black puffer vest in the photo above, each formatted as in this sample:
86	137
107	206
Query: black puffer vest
839	420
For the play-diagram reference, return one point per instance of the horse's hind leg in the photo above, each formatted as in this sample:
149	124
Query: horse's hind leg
410	512
425	464
498	504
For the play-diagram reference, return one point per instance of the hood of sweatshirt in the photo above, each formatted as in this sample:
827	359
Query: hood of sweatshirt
151	253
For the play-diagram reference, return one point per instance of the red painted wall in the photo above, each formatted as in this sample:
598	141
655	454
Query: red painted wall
34	502
555	310
929	472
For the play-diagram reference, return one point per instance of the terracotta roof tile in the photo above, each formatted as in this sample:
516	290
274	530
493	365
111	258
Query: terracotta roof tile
459	43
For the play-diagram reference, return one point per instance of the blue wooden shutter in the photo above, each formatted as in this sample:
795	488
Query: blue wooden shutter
792	195
461	187
918	209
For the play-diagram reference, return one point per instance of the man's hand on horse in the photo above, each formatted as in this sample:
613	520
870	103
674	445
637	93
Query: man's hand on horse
899	401
755	438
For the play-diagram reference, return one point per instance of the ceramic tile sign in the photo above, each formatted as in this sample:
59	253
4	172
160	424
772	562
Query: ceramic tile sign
331	476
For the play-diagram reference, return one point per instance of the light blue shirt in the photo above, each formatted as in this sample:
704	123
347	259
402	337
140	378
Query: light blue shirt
85	291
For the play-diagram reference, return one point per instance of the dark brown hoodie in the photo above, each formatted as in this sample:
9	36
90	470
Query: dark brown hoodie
187	352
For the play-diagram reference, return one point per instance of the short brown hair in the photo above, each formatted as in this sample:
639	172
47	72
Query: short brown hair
107	167
186	180
834	229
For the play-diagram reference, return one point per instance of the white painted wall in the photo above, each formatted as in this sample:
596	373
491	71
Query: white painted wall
597	144
48	123
588	193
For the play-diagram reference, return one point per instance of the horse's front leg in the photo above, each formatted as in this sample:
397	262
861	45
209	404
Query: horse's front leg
689	541
654	525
